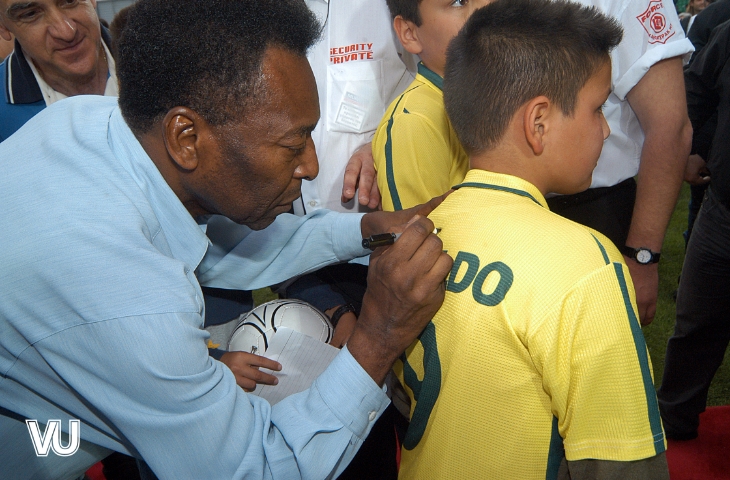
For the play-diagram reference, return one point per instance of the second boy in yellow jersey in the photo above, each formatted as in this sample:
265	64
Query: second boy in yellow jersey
417	154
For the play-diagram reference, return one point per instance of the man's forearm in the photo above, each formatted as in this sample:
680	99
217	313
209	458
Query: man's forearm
659	103
663	161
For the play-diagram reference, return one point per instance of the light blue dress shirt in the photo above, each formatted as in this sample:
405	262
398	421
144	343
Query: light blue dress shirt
101	311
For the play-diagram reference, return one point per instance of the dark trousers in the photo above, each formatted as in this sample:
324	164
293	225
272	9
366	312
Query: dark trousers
222	305
332	286
606	209
702	329
697	193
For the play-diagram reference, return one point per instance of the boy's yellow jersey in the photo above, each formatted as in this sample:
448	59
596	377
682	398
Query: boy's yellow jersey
537	353
416	151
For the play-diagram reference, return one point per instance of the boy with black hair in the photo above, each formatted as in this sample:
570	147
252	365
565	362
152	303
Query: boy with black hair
417	154
535	366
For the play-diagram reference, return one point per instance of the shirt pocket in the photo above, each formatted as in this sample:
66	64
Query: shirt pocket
355	102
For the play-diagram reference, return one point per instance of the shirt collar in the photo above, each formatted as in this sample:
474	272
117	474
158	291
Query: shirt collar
184	236
431	76
21	84
504	183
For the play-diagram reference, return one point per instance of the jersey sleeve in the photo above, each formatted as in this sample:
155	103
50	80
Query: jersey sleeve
413	160
596	369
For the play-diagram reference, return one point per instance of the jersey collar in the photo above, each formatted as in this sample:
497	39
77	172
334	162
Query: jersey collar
503	183
431	76
21	86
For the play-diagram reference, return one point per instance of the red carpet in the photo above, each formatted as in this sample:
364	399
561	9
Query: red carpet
708	456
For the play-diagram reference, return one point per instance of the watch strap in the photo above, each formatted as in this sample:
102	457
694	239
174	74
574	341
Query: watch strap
337	314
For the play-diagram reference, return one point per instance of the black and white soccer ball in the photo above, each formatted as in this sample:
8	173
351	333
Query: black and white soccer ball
255	328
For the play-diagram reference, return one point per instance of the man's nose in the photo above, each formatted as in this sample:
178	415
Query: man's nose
62	26
309	168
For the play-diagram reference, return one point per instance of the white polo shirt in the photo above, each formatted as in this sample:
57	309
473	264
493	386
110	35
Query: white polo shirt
651	33
360	67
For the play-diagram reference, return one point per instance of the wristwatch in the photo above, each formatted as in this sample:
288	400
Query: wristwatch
641	255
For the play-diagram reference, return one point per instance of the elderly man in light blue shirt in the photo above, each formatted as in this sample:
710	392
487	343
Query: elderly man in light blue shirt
103	255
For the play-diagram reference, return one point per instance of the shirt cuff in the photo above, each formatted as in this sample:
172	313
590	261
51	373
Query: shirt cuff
347	236
351	394
652	56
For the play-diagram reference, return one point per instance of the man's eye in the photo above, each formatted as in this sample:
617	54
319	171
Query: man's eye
69	3
459	3
27	15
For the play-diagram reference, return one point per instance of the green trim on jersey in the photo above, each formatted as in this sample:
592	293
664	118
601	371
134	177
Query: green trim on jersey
603	250
651	400
641	352
500	188
431	76
389	160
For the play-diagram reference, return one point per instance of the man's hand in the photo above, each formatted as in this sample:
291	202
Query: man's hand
405	289
361	170
646	283
382	222
245	367
696	172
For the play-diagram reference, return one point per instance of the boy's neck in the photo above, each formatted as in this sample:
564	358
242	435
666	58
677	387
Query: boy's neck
506	159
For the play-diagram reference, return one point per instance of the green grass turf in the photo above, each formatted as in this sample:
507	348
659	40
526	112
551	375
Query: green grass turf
662	327
263	295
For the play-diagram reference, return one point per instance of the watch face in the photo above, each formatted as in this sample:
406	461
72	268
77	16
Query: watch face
643	256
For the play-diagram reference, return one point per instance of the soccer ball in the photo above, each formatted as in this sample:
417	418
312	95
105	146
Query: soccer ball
255	328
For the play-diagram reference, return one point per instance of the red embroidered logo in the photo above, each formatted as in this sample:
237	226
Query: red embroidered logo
655	22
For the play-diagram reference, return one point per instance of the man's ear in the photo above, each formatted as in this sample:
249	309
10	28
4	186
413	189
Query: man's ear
407	32
5	33
536	121
182	133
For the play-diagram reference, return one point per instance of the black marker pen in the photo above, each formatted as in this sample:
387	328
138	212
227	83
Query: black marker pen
384	239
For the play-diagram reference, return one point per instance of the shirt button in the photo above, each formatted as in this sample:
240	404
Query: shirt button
372	415
312	203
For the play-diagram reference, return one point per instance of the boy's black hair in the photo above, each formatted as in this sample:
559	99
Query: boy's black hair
205	55
512	51
408	9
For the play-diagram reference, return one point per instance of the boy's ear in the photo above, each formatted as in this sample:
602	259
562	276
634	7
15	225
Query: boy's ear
182	129
536	122
407	32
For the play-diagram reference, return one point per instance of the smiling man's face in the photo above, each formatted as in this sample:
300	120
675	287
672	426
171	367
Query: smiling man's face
62	37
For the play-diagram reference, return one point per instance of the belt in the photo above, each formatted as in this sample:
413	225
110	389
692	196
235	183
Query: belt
591	194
